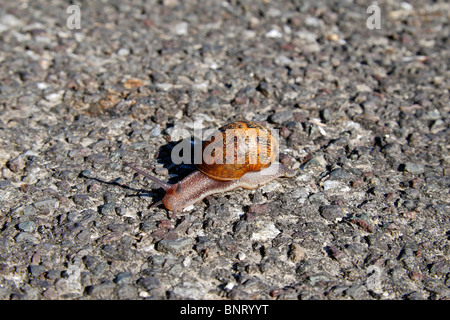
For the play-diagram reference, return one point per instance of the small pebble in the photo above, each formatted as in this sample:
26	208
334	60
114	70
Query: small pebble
258	208
338	174
46	206
280	117
108	209
36	270
296	252
165	224
123	277
317	198
27	226
331	212
414	168
123	52
98	158
82	200
17	164
63	185
149	283
53	274
160	171
357	183
274	33
416	183
174	246
181	28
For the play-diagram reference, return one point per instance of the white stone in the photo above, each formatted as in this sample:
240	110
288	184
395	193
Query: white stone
333	185
274	33
202	86
164	86
267	232
10	21
123	52
181	28
188	208
229	286
54	97
312	21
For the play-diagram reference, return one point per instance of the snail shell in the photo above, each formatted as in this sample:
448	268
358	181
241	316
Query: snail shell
236	149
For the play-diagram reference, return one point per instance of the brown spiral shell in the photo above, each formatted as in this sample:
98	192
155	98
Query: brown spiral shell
237	148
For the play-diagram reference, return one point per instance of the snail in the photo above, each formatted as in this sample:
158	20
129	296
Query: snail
241	154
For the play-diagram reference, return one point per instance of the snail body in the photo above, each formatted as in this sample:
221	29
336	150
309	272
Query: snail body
250	165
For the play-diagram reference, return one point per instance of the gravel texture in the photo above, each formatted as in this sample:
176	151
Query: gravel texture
363	116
